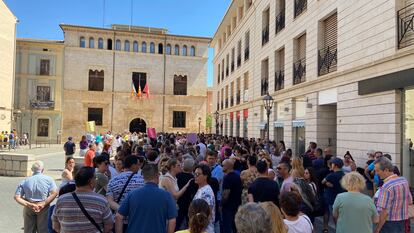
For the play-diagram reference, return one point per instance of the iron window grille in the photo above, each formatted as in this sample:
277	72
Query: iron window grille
279	80
299	71
405	18
327	60
264	86
280	21
265	35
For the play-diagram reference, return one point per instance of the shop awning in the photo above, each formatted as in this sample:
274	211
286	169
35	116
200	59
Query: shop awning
261	125
278	124
298	123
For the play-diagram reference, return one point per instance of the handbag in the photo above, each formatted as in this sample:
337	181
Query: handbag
86	212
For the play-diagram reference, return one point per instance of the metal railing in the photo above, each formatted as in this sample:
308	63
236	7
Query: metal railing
264	86
299	71
239	60
265	35
280	21
279	80
300	7
39	104
246	53
405	18
327	60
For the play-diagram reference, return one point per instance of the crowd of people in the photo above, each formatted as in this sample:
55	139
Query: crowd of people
12	140
133	183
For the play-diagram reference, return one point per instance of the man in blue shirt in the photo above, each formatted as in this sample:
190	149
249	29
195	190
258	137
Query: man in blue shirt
149	209
35	193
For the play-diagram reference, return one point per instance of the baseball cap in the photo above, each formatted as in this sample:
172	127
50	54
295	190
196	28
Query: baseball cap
338	162
69	138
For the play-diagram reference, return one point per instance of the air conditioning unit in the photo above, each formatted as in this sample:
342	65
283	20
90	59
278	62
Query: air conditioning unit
246	96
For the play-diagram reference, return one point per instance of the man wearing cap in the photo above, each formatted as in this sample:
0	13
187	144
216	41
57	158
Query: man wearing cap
332	187
69	148
35	193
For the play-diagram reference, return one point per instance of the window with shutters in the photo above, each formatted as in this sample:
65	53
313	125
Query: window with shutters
280	69
328	51
95	114
180	84
280	15
265	77
265	26
179	118
96	80
299	66
44	67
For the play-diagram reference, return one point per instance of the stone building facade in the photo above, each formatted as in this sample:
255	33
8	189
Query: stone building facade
106	68
340	73
38	85
7	58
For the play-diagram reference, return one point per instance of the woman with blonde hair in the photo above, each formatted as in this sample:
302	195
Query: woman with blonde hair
297	168
354	211
168	180
278	226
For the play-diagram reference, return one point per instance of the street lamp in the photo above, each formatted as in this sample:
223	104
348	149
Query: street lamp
268	104
216	116
199	125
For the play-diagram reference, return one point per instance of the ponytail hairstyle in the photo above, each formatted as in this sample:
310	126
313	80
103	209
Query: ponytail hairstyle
199	214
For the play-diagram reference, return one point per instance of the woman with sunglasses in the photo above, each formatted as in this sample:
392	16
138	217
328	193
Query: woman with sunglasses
201	176
168	181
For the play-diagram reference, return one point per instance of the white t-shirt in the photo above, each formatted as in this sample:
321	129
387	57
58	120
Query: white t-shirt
302	225
207	194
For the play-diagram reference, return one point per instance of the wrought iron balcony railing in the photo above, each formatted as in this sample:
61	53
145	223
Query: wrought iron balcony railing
265	35
280	21
264	86
39	104
299	71
327	60
300	7
279	80
239	60
246	53
405	18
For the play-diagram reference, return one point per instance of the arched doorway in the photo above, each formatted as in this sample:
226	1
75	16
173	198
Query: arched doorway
138	125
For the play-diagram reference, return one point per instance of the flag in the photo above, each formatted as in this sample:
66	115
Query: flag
146	90
139	92
133	91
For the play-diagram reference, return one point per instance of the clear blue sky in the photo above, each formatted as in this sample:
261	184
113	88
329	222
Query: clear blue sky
40	19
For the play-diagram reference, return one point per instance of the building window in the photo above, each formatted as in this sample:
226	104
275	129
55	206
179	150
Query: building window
280	69
185	50
43	127
265	77
118	45
280	15
139	81
328	52
82	42
239	52
126	46
109	44
100	43
177	50
192	51
218	73
300	7
168	49
95	114
247	46
180	84
299	66
179	119
96	80
91	42
152	47
43	93
144	47
227	64
265	26
44	67
135	47
160	48
233	54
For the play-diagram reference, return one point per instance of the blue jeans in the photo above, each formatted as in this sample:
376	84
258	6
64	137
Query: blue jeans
227	223
393	227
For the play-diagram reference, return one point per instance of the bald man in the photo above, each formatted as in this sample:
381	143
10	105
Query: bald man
231	196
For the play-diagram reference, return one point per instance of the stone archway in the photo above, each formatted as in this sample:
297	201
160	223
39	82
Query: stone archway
138	125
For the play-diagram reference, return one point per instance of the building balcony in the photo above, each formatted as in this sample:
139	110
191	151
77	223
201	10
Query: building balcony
280	21
239	60
246	53
405	19
39	104
299	71
279	80
264	87
300	7
265	35
327	60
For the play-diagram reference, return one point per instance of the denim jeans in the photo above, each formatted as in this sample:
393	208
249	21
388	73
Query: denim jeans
393	227
227	224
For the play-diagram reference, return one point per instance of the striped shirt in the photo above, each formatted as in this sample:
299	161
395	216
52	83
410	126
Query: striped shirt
71	218
395	197
116	185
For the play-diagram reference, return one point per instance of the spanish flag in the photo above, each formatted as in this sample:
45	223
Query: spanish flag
139	94
146	90
133	91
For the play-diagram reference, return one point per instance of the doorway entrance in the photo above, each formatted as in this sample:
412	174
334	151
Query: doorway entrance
138	125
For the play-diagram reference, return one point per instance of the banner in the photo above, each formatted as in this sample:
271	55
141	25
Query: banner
151	133
192	138
90	126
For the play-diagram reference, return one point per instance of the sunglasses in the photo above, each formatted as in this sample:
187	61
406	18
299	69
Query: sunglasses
279	168
197	174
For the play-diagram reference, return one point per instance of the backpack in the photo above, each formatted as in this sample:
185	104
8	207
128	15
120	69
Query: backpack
11	136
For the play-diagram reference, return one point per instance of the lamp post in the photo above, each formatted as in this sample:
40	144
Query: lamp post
268	104
199	124
216	116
